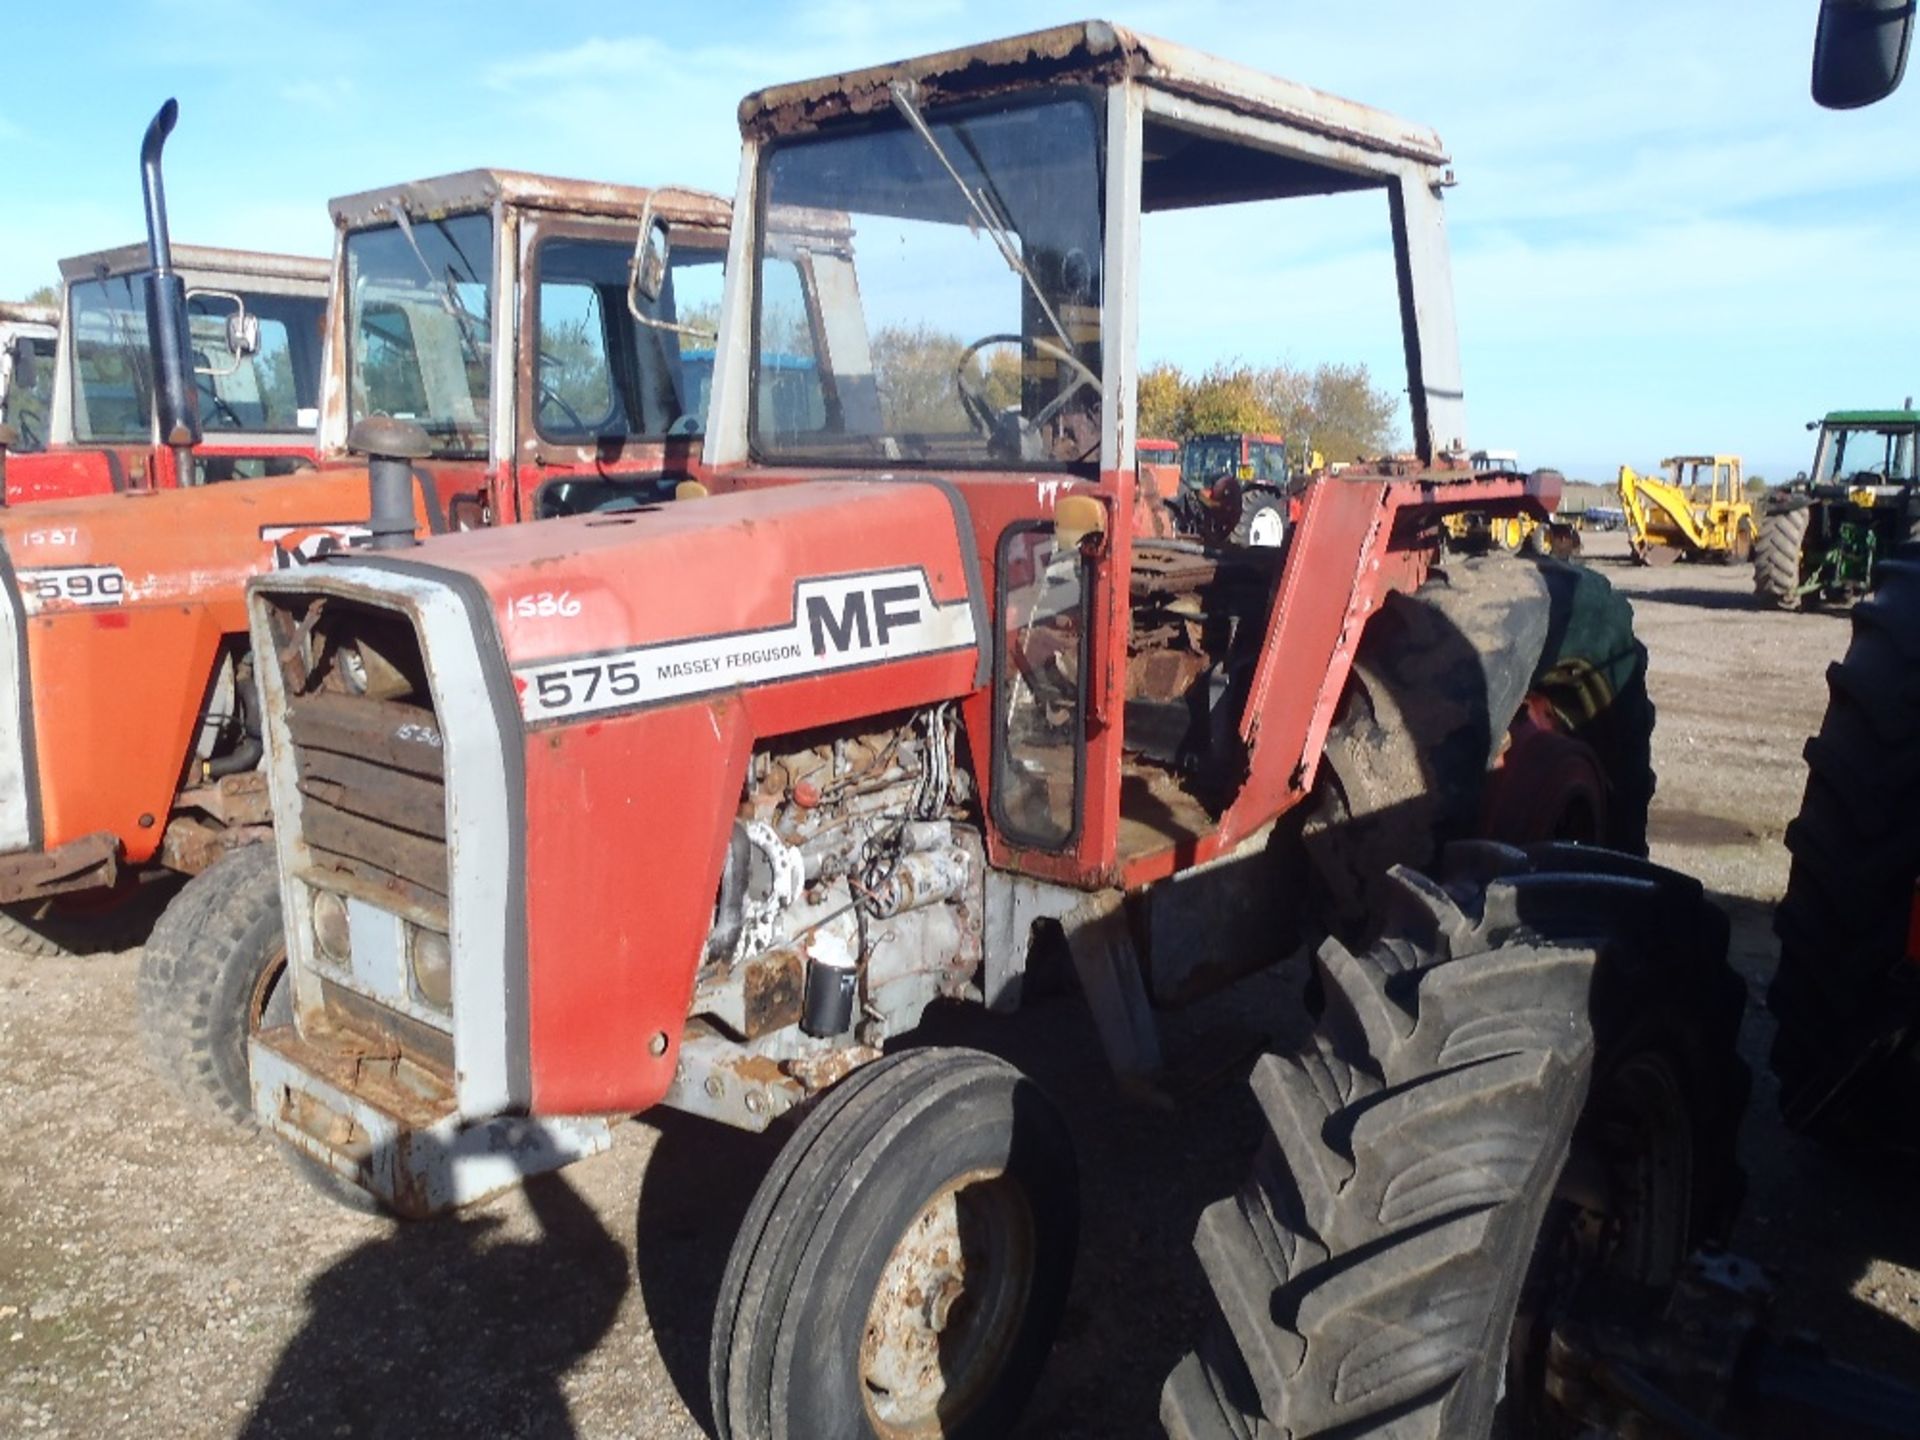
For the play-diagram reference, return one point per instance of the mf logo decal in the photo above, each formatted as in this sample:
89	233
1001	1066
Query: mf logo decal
303	543
837	623
71	585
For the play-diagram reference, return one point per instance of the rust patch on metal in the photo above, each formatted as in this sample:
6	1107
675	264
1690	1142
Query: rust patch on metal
90	863
771	986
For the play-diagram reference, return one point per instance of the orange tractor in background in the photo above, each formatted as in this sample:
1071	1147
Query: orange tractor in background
491	310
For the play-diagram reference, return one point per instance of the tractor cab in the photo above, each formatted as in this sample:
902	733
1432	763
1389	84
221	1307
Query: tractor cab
29	337
1237	489
1706	479
502	314
1866	449
255	324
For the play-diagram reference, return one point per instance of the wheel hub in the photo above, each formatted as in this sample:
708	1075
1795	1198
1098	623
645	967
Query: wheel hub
948	1306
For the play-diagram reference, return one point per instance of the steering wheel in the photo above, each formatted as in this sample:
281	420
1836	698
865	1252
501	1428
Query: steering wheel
992	424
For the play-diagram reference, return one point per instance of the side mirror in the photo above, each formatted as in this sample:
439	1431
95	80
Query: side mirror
242	331
1860	51
647	271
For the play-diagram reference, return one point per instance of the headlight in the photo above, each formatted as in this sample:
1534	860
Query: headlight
330	929
430	957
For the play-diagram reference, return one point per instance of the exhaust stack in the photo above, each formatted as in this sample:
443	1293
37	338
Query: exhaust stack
175	404
391	446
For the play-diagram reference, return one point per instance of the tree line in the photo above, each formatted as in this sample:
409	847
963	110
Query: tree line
1337	409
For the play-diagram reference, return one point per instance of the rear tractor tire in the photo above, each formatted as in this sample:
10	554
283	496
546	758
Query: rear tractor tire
1525	1094
1846	999
1263	520
1439	677
1776	557
904	1265
213	973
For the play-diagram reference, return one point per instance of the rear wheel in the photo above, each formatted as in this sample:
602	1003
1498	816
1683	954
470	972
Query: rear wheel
1525	1093
1776	556
904	1265
213	973
1438	680
1847	1002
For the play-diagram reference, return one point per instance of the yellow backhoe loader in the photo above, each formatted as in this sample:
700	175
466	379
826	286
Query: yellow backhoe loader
1698	510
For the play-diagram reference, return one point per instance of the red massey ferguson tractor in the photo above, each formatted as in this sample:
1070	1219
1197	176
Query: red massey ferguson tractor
568	830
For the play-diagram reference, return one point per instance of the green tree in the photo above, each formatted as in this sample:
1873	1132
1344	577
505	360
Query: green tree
1163	397
1228	398
45	295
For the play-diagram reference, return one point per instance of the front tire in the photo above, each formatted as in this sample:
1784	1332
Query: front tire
905	1264
213	973
1375	1273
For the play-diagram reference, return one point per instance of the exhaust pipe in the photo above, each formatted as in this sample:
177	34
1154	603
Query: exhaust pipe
391	446
169	341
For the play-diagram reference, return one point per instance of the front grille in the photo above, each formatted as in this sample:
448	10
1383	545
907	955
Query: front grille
372	781
369	762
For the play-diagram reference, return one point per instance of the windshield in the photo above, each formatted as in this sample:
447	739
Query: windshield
419	327
1872	455
603	374
890	322
27	369
1205	459
273	390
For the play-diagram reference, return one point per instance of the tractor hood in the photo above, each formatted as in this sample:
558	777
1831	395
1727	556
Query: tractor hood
196	546
620	612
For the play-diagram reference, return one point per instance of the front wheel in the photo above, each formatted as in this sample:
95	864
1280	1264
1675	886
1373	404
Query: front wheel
214	972
904	1265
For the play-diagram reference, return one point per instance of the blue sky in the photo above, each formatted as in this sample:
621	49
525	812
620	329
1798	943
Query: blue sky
1660	243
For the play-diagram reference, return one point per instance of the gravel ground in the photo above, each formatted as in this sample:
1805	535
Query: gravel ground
160	1277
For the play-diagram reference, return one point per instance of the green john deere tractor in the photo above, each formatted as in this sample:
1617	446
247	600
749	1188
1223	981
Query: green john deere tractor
1821	534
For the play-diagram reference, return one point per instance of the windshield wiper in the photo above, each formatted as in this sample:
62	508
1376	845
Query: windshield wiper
998	226
449	286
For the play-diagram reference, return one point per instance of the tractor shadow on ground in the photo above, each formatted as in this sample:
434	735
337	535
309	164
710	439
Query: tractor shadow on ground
87	925
442	1328
1701	597
1816	1219
1138	1298
700	1180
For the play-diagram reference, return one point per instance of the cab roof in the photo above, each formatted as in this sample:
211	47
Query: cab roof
470	190
1700	460
1872	417
18	312
1087	52
198	263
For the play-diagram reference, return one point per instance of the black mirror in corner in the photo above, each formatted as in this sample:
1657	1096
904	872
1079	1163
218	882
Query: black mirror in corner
1860	51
